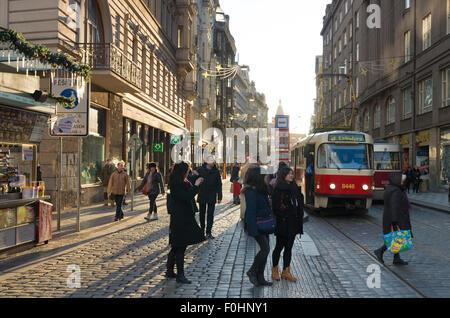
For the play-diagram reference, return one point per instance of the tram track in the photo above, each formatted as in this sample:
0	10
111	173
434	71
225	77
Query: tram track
365	250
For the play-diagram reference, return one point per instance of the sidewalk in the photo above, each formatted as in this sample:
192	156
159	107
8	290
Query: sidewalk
432	200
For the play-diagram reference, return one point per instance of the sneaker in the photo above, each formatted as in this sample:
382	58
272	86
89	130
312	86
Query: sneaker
147	218
155	216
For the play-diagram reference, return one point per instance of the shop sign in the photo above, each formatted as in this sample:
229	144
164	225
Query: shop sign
404	140
27	153
71	120
18	126
158	147
423	138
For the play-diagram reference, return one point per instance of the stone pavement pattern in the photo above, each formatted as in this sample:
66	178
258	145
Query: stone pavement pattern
432	200
130	262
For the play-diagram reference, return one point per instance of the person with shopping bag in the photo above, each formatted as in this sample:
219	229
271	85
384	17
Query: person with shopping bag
153	186
396	213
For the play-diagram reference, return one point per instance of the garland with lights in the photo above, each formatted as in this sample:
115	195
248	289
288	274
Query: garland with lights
64	101
42	53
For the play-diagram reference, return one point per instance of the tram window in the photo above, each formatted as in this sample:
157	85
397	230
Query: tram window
343	157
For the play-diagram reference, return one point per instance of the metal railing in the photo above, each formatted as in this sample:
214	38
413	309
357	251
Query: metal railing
108	57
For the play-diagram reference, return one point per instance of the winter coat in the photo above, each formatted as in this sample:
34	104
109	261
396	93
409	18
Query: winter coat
396	207
211	189
257	205
235	174
118	182
157	184
106	173
287	205
184	229
243	171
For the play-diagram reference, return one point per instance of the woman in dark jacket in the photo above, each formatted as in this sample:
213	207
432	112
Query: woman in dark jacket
287	205
155	186
235	181
184	230
396	213
210	193
257	205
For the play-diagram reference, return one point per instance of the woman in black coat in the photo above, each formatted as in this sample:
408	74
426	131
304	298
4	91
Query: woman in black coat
287	205
184	230
396	213
155	186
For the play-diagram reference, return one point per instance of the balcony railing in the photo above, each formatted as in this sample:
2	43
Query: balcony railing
106	56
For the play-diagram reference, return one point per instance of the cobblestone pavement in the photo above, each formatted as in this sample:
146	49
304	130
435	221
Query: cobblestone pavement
129	258
429	259
432	200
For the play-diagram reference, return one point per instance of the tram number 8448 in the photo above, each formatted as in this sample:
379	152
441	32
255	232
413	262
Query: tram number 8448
348	187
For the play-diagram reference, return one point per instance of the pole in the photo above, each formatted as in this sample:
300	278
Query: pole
133	173
60	183
79	185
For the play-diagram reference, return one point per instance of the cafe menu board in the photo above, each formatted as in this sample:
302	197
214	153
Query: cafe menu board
17	126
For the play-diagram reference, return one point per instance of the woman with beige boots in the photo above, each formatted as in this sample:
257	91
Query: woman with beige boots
287	205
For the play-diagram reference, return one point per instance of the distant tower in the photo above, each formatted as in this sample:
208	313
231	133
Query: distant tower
280	110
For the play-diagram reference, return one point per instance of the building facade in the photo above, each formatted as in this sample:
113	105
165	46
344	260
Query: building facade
142	57
400	74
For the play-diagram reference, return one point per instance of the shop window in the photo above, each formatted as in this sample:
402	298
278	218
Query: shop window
445	157
93	147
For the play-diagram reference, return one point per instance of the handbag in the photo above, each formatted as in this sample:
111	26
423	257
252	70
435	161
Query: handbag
170	203
266	224
144	191
398	241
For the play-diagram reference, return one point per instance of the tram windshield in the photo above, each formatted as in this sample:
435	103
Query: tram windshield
336	156
386	161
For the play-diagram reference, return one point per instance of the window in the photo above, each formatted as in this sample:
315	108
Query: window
357	87
118	31
335	52
426	33
407	4
340	17
425	95
390	111
335	156
448	16
335	105
345	38
357	52
377	119
407	103
350	30
346	7
340	45
180	36
357	19
446	87
366	126
94	23
407	46
93	147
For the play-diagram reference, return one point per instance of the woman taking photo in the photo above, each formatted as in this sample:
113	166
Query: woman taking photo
287	205
184	229
257	205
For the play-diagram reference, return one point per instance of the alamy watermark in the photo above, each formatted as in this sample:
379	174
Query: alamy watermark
74	279
263	146
374	19
374	279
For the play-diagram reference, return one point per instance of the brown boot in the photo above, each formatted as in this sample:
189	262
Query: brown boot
286	274
275	274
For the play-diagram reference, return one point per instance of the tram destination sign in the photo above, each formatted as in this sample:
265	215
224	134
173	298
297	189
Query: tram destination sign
347	137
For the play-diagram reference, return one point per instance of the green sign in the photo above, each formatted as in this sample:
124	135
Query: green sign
158	147
174	139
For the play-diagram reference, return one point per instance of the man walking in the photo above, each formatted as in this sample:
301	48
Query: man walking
210	192
105	175
119	186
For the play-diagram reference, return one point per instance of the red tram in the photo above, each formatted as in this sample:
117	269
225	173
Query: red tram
335	169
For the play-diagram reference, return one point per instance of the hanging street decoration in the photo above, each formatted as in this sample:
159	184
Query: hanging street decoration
221	72
12	42
379	65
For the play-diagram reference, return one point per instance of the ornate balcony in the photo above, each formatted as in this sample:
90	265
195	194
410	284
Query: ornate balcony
184	61
112	69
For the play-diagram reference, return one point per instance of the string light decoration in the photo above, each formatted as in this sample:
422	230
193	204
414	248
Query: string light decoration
380	65
221	72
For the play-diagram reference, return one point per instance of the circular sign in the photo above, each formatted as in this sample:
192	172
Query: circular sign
70	93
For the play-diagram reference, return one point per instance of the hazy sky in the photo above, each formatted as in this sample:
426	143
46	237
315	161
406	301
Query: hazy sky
279	40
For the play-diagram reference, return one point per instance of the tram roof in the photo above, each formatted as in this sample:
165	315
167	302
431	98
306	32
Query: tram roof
326	133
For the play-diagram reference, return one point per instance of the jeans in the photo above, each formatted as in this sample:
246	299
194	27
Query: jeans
153	207
285	243
260	260
119	201
210	216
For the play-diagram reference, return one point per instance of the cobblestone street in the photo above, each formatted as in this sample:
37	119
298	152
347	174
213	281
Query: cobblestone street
129	258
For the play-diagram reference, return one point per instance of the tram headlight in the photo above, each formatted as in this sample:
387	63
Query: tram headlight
332	186
365	187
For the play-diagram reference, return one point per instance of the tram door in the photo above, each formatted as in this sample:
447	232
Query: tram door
309	154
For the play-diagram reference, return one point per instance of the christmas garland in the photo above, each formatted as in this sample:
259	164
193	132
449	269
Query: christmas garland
64	101
19	43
